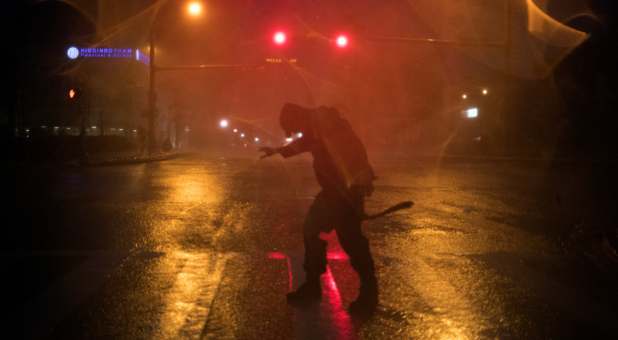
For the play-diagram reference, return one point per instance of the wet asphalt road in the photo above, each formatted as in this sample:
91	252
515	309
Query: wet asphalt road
207	248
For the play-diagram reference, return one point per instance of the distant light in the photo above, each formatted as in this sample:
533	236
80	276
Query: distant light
43	127
472	112
341	41
242	135
194	8
27	130
121	129
56	128
223	123
94	127
235	130
72	93
68	128
464	96
134	131
256	139
289	139
72	52
279	38
299	135
485	92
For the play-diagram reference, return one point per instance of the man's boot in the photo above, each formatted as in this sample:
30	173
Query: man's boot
308	292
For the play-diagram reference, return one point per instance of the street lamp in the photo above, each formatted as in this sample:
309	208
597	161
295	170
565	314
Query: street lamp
472	113
194	9
224	123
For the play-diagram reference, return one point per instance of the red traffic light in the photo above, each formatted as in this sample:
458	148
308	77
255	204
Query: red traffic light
342	41
279	38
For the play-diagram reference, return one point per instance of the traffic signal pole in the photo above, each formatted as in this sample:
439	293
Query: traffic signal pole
152	100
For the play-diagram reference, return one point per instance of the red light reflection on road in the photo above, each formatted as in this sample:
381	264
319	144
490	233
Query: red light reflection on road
341	318
332	304
276	255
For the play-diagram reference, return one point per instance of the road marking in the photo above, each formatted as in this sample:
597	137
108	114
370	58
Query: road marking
189	301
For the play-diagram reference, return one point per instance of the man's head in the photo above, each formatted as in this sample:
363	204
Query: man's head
294	118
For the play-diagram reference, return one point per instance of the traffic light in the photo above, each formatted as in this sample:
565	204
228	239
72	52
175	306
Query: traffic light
73	93
342	41
280	38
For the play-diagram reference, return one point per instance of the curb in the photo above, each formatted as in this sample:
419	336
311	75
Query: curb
131	161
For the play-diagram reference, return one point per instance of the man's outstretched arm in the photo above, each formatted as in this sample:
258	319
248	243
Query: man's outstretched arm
296	147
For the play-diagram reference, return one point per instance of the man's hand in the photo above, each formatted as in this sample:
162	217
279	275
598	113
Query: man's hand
268	151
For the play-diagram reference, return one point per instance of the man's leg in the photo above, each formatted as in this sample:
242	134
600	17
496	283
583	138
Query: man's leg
315	251
356	246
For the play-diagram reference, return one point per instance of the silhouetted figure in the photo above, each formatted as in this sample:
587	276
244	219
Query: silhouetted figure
345	175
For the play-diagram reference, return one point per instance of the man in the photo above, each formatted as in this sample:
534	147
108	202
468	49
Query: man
343	171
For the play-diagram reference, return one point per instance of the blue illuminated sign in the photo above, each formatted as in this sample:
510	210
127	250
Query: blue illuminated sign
73	52
99	52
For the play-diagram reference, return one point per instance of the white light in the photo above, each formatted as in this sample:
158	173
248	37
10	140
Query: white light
242	135
464	96
194	8
256	139
94	127
72	52
342	41
299	135
235	130
279	38
223	123
472	112
289	139
485	92
56	128
121	129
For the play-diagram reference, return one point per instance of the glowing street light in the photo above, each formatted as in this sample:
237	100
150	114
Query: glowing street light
464	96
235	130
485	92
279	38
224	123
299	135
472	113
256	139
194	8
242	135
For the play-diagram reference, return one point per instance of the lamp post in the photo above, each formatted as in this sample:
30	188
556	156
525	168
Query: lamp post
194	9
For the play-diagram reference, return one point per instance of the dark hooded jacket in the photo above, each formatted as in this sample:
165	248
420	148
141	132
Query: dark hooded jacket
339	157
